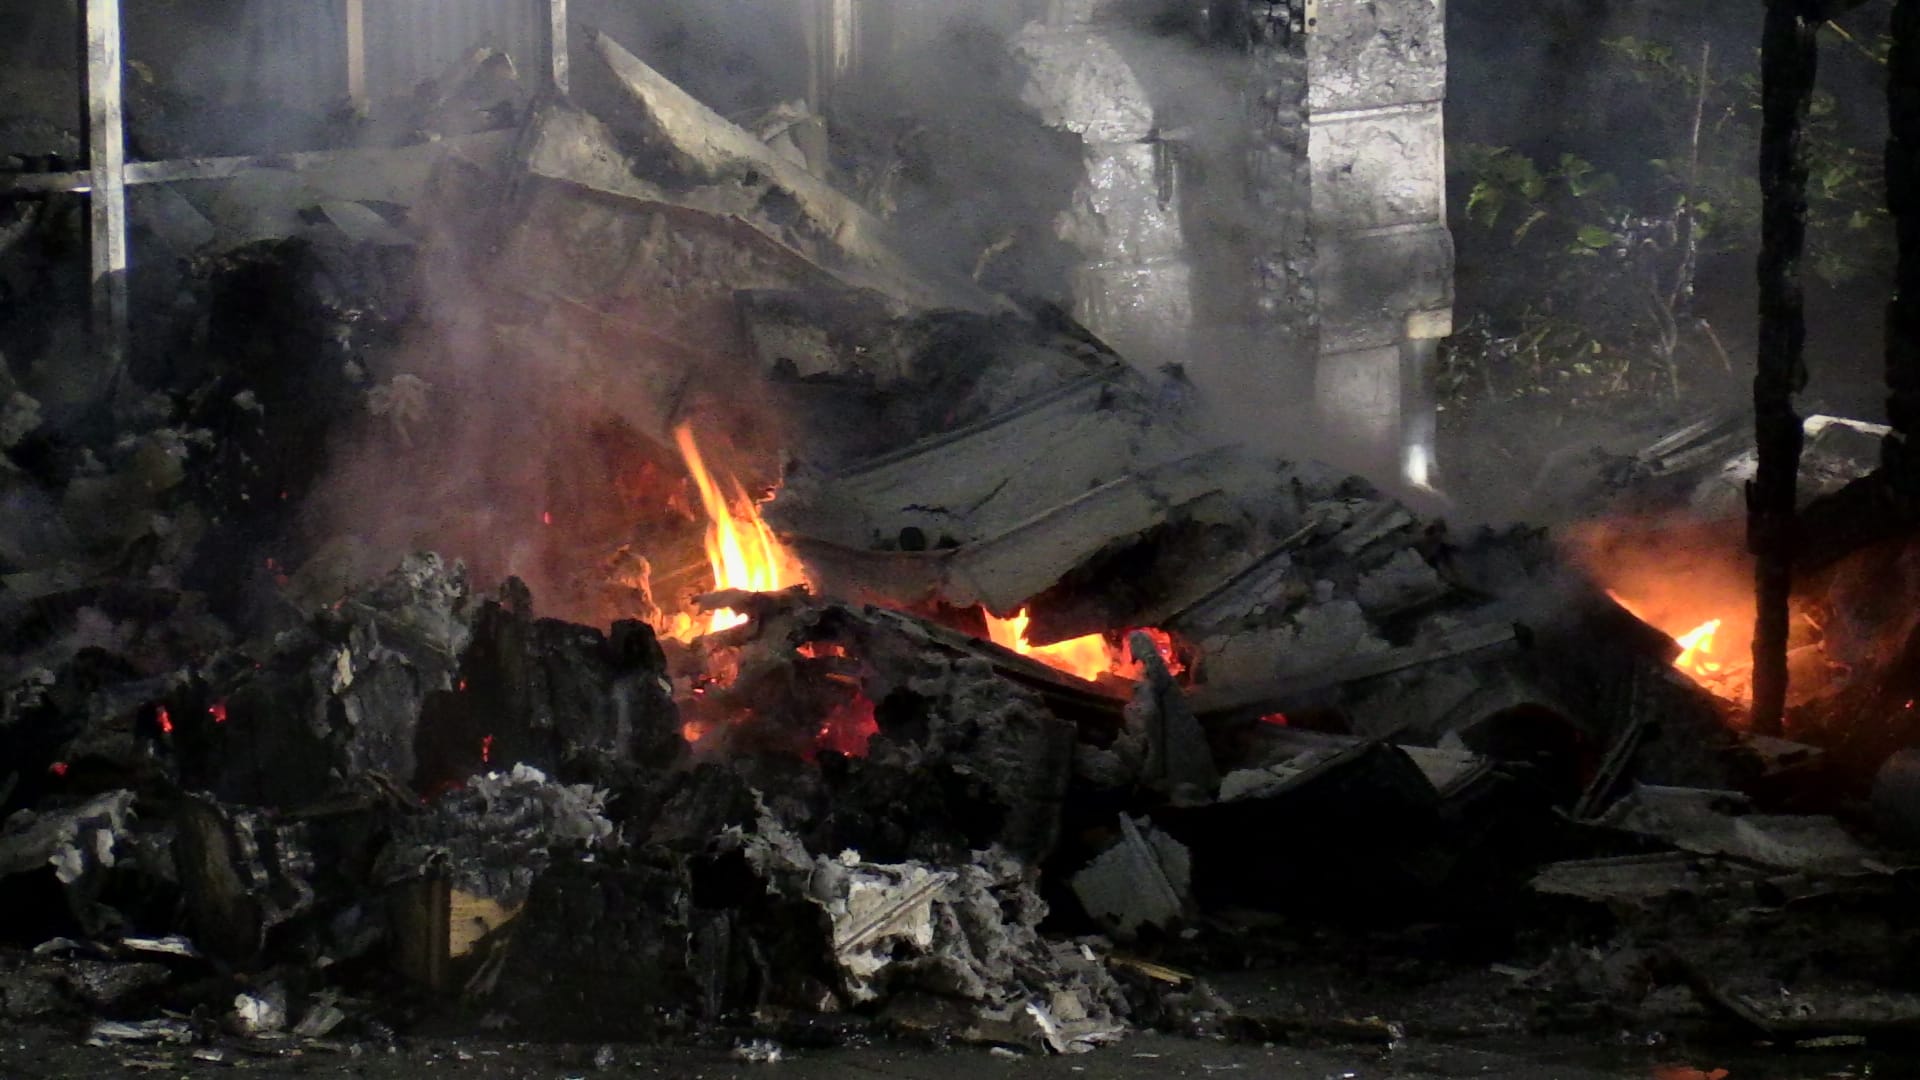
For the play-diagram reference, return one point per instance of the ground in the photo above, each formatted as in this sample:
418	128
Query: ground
40	1054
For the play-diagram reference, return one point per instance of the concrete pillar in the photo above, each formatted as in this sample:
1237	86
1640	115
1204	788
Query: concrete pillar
1384	256
1332	282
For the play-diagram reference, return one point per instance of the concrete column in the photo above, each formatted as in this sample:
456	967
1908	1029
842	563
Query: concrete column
1384	256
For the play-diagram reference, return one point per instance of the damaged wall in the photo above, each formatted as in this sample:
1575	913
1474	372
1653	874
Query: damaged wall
1264	200
1134	281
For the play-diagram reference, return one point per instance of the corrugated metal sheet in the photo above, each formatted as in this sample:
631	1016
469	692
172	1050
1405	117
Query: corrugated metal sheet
409	41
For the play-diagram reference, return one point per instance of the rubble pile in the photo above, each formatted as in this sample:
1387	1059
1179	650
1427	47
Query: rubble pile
286	775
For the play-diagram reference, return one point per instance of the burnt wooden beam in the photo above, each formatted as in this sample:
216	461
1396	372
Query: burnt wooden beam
1219	704
1789	63
106	162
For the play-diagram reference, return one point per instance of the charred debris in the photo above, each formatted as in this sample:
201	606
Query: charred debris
256	793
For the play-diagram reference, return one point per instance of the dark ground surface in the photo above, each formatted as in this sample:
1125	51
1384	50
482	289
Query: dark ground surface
43	1054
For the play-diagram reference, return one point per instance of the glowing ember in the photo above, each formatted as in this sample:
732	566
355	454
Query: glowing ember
740	548
218	710
486	749
166	721
1087	657
1278	719
848	727
1687	1072
58	768
1162	644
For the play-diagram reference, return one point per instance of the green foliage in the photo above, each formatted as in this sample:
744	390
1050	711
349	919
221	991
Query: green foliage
1588	291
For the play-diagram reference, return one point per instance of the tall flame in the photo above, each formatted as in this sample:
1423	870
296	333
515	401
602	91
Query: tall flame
740	548
1696	649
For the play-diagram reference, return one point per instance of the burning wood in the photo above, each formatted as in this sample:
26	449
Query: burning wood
1010	629
741	549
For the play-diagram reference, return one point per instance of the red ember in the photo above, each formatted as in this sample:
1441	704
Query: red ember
848	727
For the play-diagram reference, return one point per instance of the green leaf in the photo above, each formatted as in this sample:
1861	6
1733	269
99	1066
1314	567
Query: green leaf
1531	184
1600	185
1526	226
1485	202
1594	237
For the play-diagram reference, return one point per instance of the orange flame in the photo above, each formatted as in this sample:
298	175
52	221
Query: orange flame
1087	657
1696	649
1698	657
740	548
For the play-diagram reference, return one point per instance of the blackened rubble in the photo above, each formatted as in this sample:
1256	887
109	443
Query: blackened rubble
312	788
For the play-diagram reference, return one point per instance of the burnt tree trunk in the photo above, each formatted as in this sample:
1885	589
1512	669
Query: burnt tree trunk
1789	62
1901	457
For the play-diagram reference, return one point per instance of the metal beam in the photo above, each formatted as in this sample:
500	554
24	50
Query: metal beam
223	168
357	54
558	49
106	161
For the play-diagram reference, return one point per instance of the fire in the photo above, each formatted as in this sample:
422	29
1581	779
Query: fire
1700	658
740	548
848	727
1088	657
1691	580
1696	649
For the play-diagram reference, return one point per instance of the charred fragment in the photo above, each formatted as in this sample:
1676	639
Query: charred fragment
822	645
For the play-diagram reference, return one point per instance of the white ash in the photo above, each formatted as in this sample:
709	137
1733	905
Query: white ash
497	834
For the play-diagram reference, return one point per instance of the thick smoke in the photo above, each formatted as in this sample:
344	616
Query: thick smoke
944	137
527	467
